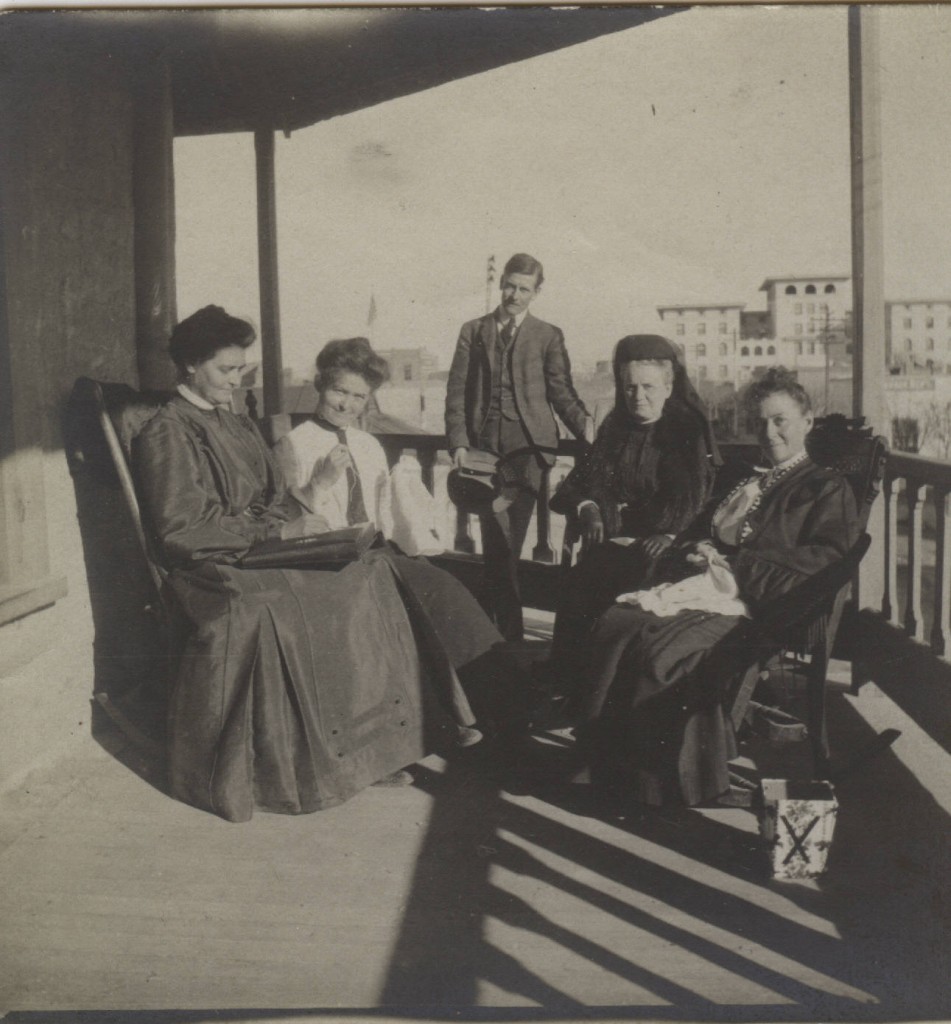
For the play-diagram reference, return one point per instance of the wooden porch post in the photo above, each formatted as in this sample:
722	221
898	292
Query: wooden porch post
868	382
153	199
271	362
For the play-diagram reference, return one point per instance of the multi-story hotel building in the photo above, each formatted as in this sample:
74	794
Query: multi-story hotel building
918	334
810	318
708	335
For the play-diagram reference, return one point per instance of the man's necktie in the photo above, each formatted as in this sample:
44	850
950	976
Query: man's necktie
356	509
508	329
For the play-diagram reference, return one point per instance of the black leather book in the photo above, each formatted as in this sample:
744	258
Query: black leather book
311	552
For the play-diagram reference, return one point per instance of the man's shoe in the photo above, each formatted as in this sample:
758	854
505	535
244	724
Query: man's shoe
398	778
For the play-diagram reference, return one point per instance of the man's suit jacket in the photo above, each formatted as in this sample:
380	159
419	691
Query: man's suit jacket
541	379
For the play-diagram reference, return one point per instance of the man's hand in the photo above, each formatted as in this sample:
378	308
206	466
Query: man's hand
459	458
328	469
655	545
592	526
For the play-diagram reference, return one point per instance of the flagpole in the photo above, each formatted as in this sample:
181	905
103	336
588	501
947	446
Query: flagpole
371	316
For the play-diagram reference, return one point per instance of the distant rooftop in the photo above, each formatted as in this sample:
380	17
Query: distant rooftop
704	305
793	278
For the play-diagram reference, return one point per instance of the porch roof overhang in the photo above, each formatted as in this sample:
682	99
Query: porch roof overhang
236	70
287	69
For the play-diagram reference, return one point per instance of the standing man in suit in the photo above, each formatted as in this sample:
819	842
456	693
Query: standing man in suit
509	375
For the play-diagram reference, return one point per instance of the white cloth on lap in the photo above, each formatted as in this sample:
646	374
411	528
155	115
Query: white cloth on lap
714	590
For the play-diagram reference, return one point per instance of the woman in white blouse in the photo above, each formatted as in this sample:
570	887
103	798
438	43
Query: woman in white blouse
334	469
340	473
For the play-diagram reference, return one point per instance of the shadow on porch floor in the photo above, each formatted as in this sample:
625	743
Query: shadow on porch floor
472	896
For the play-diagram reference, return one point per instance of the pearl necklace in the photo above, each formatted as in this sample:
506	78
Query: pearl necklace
767	479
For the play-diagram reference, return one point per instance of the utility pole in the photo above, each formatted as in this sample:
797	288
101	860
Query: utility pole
489	279
827	334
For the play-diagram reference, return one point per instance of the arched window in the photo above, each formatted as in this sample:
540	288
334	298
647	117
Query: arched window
771	350
908	344
829	289
745	350
790	289
701	350
810	289
758	351
929	344
723	348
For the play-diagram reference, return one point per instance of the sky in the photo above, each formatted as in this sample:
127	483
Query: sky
683	161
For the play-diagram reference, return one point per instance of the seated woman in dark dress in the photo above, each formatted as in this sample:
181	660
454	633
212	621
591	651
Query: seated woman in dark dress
651	719
645	478
296	687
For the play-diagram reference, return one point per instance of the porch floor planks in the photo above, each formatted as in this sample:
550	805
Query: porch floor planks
462	892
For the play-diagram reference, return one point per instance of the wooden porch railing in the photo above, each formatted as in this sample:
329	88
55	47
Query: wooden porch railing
427	448
917	577
917	498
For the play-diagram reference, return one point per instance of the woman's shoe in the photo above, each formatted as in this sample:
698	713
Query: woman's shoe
398	778
467	736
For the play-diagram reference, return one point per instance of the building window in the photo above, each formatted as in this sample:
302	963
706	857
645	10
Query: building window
758	351
812	348
722	327
408	372
790	289
929	344
797	309
680	328
771	350
745	350
810	289
799	348
702	373
701	328
723	348
812	328
701	351
908	344
829	289
724	372
929	321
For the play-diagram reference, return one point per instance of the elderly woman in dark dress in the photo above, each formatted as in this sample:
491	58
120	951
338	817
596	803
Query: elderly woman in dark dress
651	717
297	687
646	477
